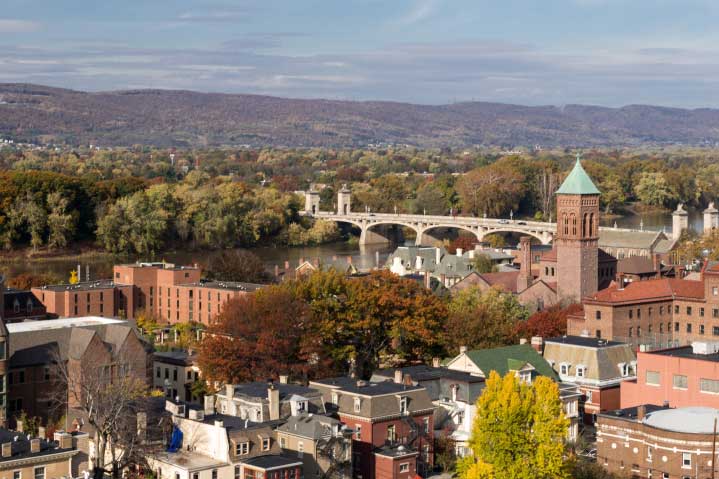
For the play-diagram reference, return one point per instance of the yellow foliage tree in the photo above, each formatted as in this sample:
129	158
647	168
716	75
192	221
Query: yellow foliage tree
518	432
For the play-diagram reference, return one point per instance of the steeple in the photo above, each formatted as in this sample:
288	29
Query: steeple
578	182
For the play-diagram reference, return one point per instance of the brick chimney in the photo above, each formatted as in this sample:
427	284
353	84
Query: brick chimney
524	280
641	411
284	379
427	278
7	449
538	344
436	362
656	262
398	376
34	445
462	349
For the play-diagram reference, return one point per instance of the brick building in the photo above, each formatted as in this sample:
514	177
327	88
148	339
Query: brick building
392	424
21	305
678	377
176	294
27	456
657	442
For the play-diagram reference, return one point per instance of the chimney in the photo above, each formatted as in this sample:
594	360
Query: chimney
284	379
436	362
219	423
462	349
524	279
273	397
229	390
79	272
398	376
427	279
19	426
437	255
641	411
460	251
656	262
522	340
41	432
620	283
209	405
34	445
538	344
7	449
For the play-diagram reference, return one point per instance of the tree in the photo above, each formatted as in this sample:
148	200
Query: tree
518	431
480	319
258	336
652	189
60	223
482	263
431	200
26	281
548	323
467	243
491	190
237	265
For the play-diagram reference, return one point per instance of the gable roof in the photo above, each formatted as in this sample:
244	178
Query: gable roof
578	182
650	290
506	280
503	359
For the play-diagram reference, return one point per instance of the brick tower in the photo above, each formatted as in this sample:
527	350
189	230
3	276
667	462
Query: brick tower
577	238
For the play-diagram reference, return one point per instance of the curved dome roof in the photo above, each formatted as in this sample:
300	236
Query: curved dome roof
693	420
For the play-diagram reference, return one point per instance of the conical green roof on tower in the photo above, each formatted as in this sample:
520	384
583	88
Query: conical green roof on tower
578	182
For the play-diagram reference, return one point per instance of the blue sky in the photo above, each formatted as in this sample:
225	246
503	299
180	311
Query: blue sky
534	52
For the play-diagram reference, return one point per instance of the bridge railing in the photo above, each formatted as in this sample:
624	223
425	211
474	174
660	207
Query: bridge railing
467	220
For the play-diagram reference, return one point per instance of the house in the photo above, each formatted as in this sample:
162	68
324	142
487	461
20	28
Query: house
21	306
38	457
596	366
34	347
650	441
175	372
260	402
454	393
323	444
177	294
640	268
526	363
679	377
392	424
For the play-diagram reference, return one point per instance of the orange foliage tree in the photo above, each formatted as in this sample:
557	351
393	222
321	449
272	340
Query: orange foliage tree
548	323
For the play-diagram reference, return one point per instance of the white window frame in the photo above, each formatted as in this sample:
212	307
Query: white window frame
564	368
35	469
404	467
265	443
242	448
357	404
403	405
581	371
686	460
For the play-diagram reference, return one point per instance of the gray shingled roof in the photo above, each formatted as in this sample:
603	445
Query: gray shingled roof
629	239
311	426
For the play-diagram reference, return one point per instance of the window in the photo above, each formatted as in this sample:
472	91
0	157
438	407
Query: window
701	312
631	313
404	467
358	433
598	314
16	475
158	371
21	377
300	449
174	374
715	312
237	472
598	333
639	331
358	405
630	332
589	396
265	443
242	448
39	473
46	373
624	369
701	329
653	378
335	398
283	442
676	327
680	381
686	460
391	433
214	474
676	309
639	313
580	371
649	453
715	290
689	327
661	328
661	310
177	475
689	310
709	385
715	330
425	424
403	405
564	368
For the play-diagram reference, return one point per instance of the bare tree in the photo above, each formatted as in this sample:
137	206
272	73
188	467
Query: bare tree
546	186
108	399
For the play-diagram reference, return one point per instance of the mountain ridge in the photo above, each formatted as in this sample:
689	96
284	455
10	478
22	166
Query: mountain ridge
185	118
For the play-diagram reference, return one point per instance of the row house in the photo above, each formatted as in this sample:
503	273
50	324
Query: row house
677	377
597	367
38	457
454	393
21	306
657	442
392	425
175	372
176	294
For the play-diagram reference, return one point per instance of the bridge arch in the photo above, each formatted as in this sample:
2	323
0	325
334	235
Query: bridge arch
544	237
423	233
380	231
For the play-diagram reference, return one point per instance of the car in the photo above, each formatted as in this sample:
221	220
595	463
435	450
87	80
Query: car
503	222
521	222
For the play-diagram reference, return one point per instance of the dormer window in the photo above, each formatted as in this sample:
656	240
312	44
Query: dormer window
564	369
265	443
624	369
403	405
525	377
242	448
358	405
581	371
29	306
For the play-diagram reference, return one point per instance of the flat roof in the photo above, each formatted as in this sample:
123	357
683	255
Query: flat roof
191	461
272	461
229	285
686	352
587	342
366	388
45	324
80	286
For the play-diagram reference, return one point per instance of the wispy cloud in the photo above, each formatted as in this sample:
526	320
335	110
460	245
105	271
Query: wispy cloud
8	25
420	11
216	15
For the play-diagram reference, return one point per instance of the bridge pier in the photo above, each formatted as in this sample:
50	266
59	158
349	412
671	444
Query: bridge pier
381	234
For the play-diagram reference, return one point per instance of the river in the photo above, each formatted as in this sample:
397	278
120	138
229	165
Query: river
336	253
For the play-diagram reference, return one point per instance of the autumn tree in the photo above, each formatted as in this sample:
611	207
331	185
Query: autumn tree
60	221
237	265
483	319
482	263
652	189
26	281
518	432
548	323
259	336
491	190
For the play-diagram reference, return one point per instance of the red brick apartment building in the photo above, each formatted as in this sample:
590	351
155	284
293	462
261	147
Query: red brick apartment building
176	294
657	313
392	424
677	377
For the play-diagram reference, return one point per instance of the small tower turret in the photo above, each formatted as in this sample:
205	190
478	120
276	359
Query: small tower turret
711	218
344	201
680	221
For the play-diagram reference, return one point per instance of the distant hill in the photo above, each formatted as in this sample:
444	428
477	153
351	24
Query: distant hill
186	118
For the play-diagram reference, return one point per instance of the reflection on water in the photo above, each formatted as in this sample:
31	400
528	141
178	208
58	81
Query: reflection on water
336	253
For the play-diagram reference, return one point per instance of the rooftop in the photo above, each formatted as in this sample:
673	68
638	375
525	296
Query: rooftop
686	352
366	388
652	289
47	324
229	285
691	420
578	182
423	372
272	462
582	341
258	389
395	451
181	358
191	461
81	286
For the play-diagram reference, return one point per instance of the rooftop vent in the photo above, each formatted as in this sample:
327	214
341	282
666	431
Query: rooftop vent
705	347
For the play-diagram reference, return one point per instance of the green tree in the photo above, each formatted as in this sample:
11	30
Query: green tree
493	189
652	189
60	222
518	432
482	263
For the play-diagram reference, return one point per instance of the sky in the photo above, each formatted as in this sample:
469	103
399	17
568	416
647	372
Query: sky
531	52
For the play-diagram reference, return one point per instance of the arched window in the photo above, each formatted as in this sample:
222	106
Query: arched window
592	226
566	224
585	226
574	225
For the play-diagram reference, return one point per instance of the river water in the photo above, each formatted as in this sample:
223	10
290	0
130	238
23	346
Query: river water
335	253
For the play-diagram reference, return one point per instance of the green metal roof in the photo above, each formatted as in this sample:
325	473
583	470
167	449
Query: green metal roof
509	358
578	182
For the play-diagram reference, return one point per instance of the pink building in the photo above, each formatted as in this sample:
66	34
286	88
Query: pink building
677	377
